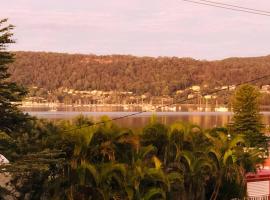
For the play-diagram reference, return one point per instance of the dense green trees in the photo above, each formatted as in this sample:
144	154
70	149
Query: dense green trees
180	161
22	140
156	76
11	117
247	119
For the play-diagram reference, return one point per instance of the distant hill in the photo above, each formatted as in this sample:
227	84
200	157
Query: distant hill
157	76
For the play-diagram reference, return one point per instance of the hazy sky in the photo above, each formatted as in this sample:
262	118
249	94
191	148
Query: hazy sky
139	27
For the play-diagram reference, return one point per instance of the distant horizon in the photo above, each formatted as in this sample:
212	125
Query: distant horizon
138	56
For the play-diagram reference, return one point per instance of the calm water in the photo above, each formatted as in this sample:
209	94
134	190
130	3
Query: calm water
204	119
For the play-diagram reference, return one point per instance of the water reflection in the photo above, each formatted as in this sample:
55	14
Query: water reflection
185	112
203	119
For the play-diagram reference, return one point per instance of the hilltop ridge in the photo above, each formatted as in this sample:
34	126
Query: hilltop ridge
157	76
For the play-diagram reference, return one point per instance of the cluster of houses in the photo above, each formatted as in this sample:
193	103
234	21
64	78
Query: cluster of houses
92	92
82	97
265	89
196	90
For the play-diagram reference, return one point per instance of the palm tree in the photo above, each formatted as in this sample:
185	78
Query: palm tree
184	136
181	149
104	179
223	152
186	154
196	169
148	178
99	162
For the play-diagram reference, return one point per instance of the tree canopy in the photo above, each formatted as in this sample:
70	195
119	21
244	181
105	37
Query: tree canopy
247	119
10	92
104	162
156	76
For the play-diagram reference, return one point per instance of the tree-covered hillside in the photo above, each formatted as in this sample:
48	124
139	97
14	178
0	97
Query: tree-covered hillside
158	76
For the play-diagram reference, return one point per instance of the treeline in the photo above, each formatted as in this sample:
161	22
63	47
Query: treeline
157	76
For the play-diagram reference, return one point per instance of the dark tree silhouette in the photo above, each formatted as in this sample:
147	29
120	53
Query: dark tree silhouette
11	118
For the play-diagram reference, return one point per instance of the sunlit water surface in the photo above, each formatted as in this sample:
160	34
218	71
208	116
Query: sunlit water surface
203	119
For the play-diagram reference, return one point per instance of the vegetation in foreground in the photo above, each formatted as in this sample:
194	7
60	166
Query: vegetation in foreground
180	161
80	160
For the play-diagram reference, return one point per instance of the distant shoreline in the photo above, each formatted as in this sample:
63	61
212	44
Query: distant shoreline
47	107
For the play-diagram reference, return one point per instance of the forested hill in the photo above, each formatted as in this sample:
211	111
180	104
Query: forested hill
158	76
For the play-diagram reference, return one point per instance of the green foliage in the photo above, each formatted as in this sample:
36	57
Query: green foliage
81	120
247	119
156	134
107	162
12	118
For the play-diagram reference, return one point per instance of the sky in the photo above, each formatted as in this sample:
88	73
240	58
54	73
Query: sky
139	27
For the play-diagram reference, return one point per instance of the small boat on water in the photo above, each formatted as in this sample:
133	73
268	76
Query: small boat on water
221	109
173	108
199	108
126	107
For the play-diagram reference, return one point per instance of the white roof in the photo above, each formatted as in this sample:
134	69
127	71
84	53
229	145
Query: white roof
3	160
